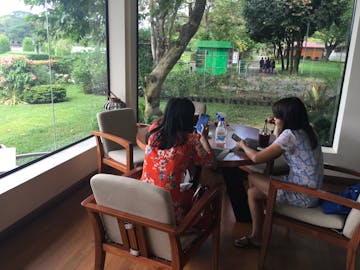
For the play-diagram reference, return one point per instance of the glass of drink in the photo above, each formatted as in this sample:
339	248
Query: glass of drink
264	137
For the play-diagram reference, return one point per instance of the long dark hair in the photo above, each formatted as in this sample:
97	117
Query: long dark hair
293	113
175	124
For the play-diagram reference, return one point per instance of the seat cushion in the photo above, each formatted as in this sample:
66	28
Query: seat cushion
352	221
314	216
138	198
120	155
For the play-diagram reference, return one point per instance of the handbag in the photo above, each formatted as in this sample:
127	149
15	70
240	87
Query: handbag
351	193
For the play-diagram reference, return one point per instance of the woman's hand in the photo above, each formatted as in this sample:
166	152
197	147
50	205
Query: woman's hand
271	119
278	127
204	131
241	144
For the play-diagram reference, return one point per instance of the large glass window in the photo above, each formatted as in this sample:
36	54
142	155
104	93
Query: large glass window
246	54
53	75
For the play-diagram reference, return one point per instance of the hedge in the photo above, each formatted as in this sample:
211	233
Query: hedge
41	94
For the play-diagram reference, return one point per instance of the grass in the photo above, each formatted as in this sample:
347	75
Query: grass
320	69
43	127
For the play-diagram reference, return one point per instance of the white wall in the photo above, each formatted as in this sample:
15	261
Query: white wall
123	50
25	190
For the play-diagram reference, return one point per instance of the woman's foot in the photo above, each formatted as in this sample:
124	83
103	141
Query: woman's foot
247	242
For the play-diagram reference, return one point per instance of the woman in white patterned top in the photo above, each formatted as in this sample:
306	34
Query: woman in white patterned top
297	142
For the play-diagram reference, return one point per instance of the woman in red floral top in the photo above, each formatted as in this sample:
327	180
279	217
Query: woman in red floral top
172	149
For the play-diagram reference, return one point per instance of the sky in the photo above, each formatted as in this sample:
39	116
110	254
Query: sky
8	6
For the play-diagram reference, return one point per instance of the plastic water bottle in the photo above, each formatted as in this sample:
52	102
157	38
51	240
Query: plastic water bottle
220	132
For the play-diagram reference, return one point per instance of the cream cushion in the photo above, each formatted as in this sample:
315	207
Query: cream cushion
352	221
120	123
312	215
120	155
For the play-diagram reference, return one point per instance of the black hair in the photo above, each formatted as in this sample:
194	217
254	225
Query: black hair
293	113
175	124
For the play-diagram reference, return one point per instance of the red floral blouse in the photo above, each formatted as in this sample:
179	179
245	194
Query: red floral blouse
167	168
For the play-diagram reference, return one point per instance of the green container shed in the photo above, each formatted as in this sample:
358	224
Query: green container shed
212	56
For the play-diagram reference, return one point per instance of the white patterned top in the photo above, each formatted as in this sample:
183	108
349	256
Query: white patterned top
306	166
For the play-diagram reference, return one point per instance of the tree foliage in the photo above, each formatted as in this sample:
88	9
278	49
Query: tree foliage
14	26
80	20
4	44
223	20
336	32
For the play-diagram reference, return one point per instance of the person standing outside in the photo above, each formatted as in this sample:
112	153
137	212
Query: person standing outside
261	63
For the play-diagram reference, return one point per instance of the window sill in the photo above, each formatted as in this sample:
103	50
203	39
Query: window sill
45	165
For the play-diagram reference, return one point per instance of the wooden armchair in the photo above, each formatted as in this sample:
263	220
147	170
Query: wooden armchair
116	140
340	230
135	220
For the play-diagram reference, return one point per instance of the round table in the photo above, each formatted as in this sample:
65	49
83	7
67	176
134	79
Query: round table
233	158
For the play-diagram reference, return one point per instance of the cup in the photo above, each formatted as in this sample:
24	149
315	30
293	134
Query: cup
264	137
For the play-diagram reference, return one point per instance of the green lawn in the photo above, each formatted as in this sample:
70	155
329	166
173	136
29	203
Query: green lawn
30	128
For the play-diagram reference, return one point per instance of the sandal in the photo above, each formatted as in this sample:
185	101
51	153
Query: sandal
246	242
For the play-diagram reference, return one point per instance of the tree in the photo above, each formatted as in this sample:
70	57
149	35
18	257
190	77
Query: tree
282	21
14	26
77	20
28	45
169	39
334	32
223	20
4	44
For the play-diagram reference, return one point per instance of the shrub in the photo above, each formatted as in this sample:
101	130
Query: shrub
63	47
185	83
4	44
38	56
42	74
41	94
90	71
28	45
15	77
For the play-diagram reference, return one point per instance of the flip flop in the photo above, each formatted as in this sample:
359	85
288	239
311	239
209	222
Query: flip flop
246	242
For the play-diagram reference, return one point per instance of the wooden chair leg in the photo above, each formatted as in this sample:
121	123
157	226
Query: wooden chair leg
350	259
99	257
267	231
215	248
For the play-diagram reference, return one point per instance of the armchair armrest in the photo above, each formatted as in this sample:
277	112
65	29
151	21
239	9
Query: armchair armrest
90	204
121	141
321	194
212	197
126	144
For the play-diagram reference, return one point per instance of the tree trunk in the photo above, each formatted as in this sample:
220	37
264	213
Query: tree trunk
280	52
297	55
329	49
164	65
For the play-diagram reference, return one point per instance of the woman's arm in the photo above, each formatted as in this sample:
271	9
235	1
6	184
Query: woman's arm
204	139
267	154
